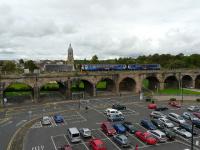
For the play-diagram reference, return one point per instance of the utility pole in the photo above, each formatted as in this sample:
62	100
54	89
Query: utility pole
192	136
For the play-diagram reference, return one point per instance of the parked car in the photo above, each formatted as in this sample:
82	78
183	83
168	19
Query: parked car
146	137
85	132
197	114
108	128
193	108
152	106
73	135
157	114
196	123
188	128
174	104
65	147
148	124
97	144
158	123
166	122
129	127
175	117
159	135
110	111
161	108
58	118
182	132
46	120
115	118
121	140
119	107
120	129
189	116
169	134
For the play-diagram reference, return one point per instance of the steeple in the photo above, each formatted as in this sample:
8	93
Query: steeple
70	59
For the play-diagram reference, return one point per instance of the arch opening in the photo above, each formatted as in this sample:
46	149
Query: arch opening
127	85
187	81
151	83
197	82
171	82
105	87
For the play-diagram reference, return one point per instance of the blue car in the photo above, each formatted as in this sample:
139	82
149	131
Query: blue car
120	129
148	124
58	118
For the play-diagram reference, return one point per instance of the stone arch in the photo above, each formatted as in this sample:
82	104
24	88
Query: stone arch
171	82
187	81
197	82
110	84
127	84
153	83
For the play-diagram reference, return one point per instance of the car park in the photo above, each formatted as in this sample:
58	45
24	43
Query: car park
166	122
157	114
159	135
74	135
146	137
108	128
110	111
129	127
148	124
65	147
119	107
85	132
115	117
97	144
58	118
182	132
152	106
121	140
161	108
158	123
175	117
189	116
169	134
188	128
120	129
174	104
193	108
46	120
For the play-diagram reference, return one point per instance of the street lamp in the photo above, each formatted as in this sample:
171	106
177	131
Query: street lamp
192	135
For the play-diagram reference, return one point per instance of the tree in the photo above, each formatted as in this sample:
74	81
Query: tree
9	66
21	61
30	65
94	60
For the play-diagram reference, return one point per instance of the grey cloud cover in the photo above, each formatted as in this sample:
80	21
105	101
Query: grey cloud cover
42	29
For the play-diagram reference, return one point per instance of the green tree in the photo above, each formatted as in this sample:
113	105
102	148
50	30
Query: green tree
30	65
94	60
9	66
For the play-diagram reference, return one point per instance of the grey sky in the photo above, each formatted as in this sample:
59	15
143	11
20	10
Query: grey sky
43	29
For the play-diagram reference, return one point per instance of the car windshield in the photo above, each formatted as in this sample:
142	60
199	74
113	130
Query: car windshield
124	140
87	132
180	118
75	135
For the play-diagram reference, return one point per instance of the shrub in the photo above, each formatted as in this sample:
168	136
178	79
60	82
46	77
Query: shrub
198	99
172	99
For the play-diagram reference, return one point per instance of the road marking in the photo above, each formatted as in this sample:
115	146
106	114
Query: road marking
82	116
39	147
54	143
21	122
85	146
136	138
7	123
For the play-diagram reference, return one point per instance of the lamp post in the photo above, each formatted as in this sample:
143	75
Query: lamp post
192	136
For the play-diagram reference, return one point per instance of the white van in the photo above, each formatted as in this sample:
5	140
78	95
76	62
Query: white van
73	135
110	111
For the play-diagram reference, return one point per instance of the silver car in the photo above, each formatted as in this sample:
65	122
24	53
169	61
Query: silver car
159	135
46	120
85	132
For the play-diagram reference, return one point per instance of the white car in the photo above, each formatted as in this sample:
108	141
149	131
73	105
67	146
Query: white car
193	108
110	111
175	117
166	122
182	132
85	132
46	120
157	114
159	135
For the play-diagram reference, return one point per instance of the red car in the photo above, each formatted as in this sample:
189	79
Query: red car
146	137
197	114
97	144
152	106
108	128
66	147
174	104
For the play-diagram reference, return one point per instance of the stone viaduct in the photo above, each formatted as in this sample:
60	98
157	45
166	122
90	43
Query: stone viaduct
117	82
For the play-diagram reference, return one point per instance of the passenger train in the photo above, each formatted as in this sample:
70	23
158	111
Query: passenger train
119	67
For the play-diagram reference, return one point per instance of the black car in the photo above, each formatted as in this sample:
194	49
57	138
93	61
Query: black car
169	134
161	108
158	123
188	128
129	127
196	123
119	107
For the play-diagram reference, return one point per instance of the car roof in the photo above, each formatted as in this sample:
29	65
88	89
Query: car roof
73	130
111	109
157	131
97	141
85	129
122	136
174	114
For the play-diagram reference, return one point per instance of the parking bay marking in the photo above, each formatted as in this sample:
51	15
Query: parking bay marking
21	122
40	147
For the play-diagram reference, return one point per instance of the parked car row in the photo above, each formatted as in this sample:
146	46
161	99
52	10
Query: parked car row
46	120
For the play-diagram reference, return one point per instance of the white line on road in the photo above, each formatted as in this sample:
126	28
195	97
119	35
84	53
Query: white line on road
54	143
7	123
21	122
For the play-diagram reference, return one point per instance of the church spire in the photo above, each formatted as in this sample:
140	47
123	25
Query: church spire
70	59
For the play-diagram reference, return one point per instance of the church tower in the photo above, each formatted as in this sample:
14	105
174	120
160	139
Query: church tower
70	59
